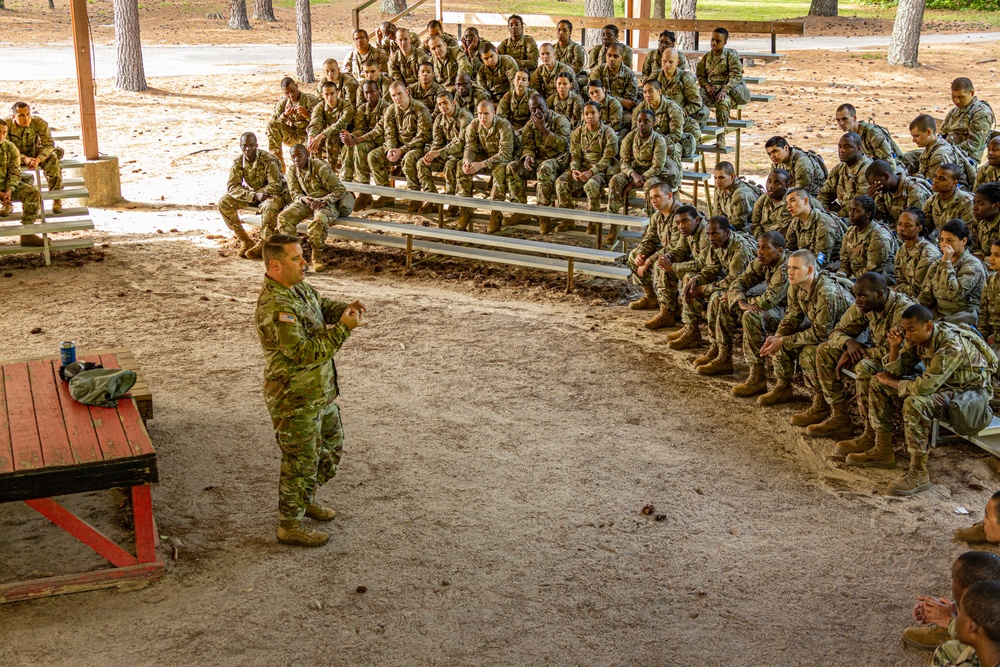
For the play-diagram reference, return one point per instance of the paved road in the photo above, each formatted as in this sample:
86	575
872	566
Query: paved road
57	62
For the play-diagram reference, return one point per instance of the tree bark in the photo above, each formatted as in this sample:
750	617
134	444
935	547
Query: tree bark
659	10
238	15
392	7
131	74
263	10
905	41
1	5
596	8
823	8
52	5
304	56
684	9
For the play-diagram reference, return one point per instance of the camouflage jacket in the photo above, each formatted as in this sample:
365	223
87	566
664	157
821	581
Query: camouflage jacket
497	81
318	180
306	101
621	84
660	234
669	122
912	264
737	204
408	129
727	263
774	277
346	83
646	156
572	54
494	146
612	113
10	166
989	307
911	192
448	133
968	129
383	82
987	230
941	152
544	80
469	102
855	322
723	71
598	53
821	306
987	174
772	216
426	97
403	67
454	62
951	362
877	143
595	150
329	121
546	148
354	61
299	373
390	46
690	254
514	107
844	184
804	171
262	176
524	52
35	140
683	89
652	66
871	249
571	107
821	234
367	124
953	289
959	206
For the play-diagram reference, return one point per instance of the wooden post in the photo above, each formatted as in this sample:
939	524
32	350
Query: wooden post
409	251
84	77
569	277
600	231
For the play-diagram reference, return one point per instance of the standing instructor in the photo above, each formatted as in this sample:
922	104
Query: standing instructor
300	331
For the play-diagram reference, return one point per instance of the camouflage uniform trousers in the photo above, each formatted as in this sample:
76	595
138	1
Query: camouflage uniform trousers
311	443
784	364
695	311
756	328
498	191
279	134
331	149
827	357
691	137
620	185
722	318
379	164
722	109
53	170
448	167
545	174
269	210
954	653
919	413
664	283
30	198
354	161
319	220
567	189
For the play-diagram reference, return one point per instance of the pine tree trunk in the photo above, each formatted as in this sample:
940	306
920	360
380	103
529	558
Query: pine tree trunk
263	10
304	56
823	8
52	5
238	15
659	10
684	9
1	5
392	7
905	41
596	8
131	74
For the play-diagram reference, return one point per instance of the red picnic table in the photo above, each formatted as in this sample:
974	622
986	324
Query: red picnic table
50	445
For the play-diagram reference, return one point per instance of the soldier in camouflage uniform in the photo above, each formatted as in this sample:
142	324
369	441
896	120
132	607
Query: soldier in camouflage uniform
866	246
598	55
815	229
514	104
471	44
16	187
565	102
690	253
770	211
759	315
807	172
317	194
659	282
489	144
681	86
986	208
467	94
300	332
366	133
949	201
405	60
446	148
858	343
619	82
435	29
329	119
734	197
254	180
544	155
364	50
989	307
876	141
33	140
967	127
955	282
291	117
652	65
448	62
386	38
990	172
426	89
497	73
938	151
669	121
956	360
347	84
847	178
406	125
544	78
570	53
915	254
720	76
522	48
893	191
593	152
371	72
612	113
816	301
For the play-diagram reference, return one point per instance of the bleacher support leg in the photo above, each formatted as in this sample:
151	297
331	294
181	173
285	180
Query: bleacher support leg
569	276
409	251
600	234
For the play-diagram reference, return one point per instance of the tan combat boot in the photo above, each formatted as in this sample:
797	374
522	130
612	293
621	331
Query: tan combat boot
592	228
463	220
517	219
755	383
721	365
879	456
5	210
427	208
452	211
862	443
413	206
496	218
713	350
648	300
612	235
564	226
781	392
664	318
915	480
57	206
320	512
837	425
814	414
257	251
295	534
245	241
545	225
362	202
690	338
973	534
927	637
32	240
318	245
382	202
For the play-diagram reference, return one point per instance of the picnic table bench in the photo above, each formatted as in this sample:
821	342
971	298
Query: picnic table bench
50	445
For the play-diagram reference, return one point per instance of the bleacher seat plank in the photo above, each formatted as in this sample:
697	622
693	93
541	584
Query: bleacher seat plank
6	455
71	193
46	228
65	136
61	244
761	98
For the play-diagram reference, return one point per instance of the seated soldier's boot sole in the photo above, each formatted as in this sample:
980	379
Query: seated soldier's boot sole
710	354
808	418
661	321
974	534
826	430
868	460
687	342
772	397
926	637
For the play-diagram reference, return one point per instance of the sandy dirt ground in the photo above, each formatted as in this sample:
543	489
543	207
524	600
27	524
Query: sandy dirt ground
503	439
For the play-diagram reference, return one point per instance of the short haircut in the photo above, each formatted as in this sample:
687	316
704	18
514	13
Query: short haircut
522	71
871	281
473	29
783	175
780	142
287	82
923	123
994	498
868	204
655	83
19	105
370	62
926	229
954	169
487	47
848	109
515	16
669	34
918	312
647	112
721	221
369	82
975	566
799	192
615	48
878	168
274	247
723	32
853	137
958	228
612	27
981	603
689	210
989	191
361	31
807	258
568	24
445	93
330	61
435	24
665	187
546	45
4	123
774	237
397	85
962	83
331	85
726	168
595	83
426	63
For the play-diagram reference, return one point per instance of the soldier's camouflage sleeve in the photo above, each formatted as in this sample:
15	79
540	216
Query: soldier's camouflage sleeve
701	71
616	113
610	139
776	291
506	151
303	348
279	108
234	186
979	132
960	283
455	147
659	157
423	134
332	310
757	217
328	177
676	114
794	316
47	145
390	128
946	360
752	276
828	193
576	149
13	173
650	241
735	68
800	172
819	326
850	326
275	181
471	142
626	153
294	185
692	96
343	122
558	139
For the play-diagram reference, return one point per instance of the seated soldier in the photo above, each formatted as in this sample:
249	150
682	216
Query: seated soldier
467	94
949	201
681	86
347	84
386	38
653	64
599	52
514	104
816	302
612	112
847	178
933	151
544	78
593	152
371	72
876	141
986	209
976	625
435	29
990	172
291	117
33	140
406	127
544	155
650	263
489	144
967	127
317	194
329	118
987	530
619	81
720	76
893	191
770	211
645	160
858	343
497	73
989	302
687	255
16	187
522	48
365	134
730	256
669	117
471	45
406	58
815	230
955	282
254	181
425	90
956	361
364	50
759	315
916	252
806	168
570	53
734	197
448	62
446	148
565	102
867	246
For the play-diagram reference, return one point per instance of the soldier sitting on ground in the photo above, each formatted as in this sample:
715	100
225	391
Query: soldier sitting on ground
565	102
291	117
933	152
990	172
544	78
347	84
954	283
593	149
514	104
255	181
806	168
987	530
916	252
986	209
894	191
16	187
815	229
876	141
967	127
612	112
489	145
847	178
976	624
720	77
734	197
949	201
770	211
329	118
867	246
366	133
446	148
651	265
33	140
522	48
406	125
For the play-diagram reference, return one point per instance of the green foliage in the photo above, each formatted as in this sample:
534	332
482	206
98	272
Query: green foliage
948	5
